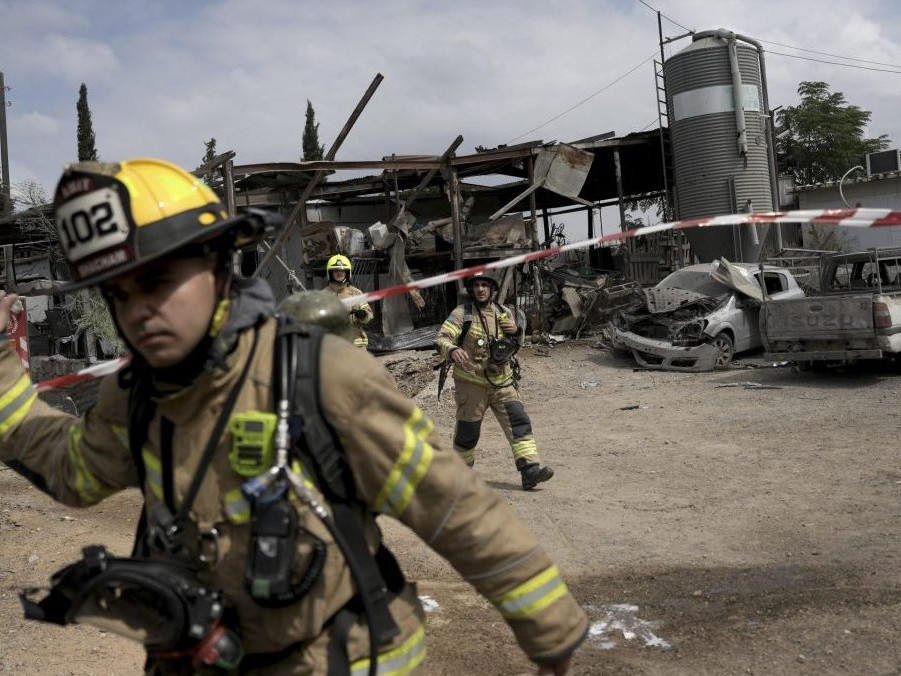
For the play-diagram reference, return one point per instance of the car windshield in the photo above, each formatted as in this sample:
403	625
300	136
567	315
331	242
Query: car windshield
698	281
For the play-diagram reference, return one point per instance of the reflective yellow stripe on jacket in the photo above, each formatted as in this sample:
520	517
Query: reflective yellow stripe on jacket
15	404
447	337
532	595
153	471
410	467
402	660
86	484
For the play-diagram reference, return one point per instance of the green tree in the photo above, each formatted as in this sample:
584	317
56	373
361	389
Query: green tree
823	137
87	148
311	148
210	177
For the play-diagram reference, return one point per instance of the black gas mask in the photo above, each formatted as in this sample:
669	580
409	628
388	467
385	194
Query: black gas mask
158	603
500	350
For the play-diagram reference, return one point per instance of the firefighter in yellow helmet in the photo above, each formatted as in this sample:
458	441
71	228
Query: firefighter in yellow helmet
262	465
338	269
480	339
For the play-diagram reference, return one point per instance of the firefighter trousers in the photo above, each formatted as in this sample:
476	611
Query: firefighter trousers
473	400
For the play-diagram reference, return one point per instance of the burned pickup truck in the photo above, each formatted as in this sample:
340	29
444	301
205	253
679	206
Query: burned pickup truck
856	315
698	317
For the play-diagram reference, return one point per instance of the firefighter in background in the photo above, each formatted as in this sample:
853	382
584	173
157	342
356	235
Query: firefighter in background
478	338
338	270
186	423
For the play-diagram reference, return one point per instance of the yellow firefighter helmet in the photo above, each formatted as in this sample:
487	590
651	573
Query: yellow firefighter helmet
338	262
114	217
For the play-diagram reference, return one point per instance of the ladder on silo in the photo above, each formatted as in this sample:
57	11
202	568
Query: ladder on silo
666	154
666	157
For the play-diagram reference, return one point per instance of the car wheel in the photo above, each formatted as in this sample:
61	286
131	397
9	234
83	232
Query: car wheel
726	348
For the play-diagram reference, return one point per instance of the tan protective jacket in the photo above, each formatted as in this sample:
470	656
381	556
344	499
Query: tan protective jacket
398	469
347	291
477	369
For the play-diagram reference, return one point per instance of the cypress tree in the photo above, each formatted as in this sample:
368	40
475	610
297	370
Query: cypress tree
87	148
210	176
311	148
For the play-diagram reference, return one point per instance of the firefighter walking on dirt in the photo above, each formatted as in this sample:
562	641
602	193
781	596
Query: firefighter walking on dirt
480	339
264	449
338	268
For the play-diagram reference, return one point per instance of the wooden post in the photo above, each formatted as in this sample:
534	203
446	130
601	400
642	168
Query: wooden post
619	187
9	273
6	203
454	184
424	183
547	224
228	176
536	279
619	194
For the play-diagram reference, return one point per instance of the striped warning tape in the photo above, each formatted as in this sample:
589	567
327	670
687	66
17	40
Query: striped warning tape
89	373
855	218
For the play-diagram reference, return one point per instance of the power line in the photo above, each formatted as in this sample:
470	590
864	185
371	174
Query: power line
836	63
665	16
837	56
585	100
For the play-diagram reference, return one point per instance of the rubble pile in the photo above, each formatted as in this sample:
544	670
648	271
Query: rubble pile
579	305
412	370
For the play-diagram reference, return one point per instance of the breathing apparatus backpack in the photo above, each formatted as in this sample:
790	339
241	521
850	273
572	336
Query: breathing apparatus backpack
187	618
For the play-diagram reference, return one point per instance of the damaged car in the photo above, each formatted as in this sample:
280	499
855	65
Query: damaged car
699	317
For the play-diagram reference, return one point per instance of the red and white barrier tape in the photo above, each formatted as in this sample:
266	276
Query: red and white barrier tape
90	373
855	218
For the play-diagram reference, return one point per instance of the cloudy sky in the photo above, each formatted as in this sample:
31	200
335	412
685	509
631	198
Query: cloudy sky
165	75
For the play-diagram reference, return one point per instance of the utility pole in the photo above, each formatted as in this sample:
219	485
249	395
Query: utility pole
5	192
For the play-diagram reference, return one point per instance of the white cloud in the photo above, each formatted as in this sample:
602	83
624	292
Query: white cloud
163	83
35	124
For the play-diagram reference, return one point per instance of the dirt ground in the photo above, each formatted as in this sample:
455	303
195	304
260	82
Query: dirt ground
706	529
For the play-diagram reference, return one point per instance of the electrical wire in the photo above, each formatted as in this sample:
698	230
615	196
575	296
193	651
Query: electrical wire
837	56
665	16
800	49
585	100
835	63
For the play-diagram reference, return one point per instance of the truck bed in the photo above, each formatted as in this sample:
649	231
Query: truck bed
820	328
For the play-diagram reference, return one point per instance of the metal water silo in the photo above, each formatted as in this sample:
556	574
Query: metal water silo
719	132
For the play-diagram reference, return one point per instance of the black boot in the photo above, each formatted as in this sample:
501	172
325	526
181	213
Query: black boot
534	474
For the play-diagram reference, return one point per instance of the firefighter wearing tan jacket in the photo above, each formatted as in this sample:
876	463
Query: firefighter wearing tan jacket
157	242
482	382
338	269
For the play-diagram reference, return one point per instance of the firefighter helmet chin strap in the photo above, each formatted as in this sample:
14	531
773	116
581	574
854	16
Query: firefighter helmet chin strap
208	351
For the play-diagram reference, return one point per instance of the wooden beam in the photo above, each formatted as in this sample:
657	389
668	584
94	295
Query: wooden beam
207	167
454	197
330	155
542	315
228	177
427	179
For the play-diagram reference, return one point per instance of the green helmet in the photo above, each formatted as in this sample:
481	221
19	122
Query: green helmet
320	308
486	276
